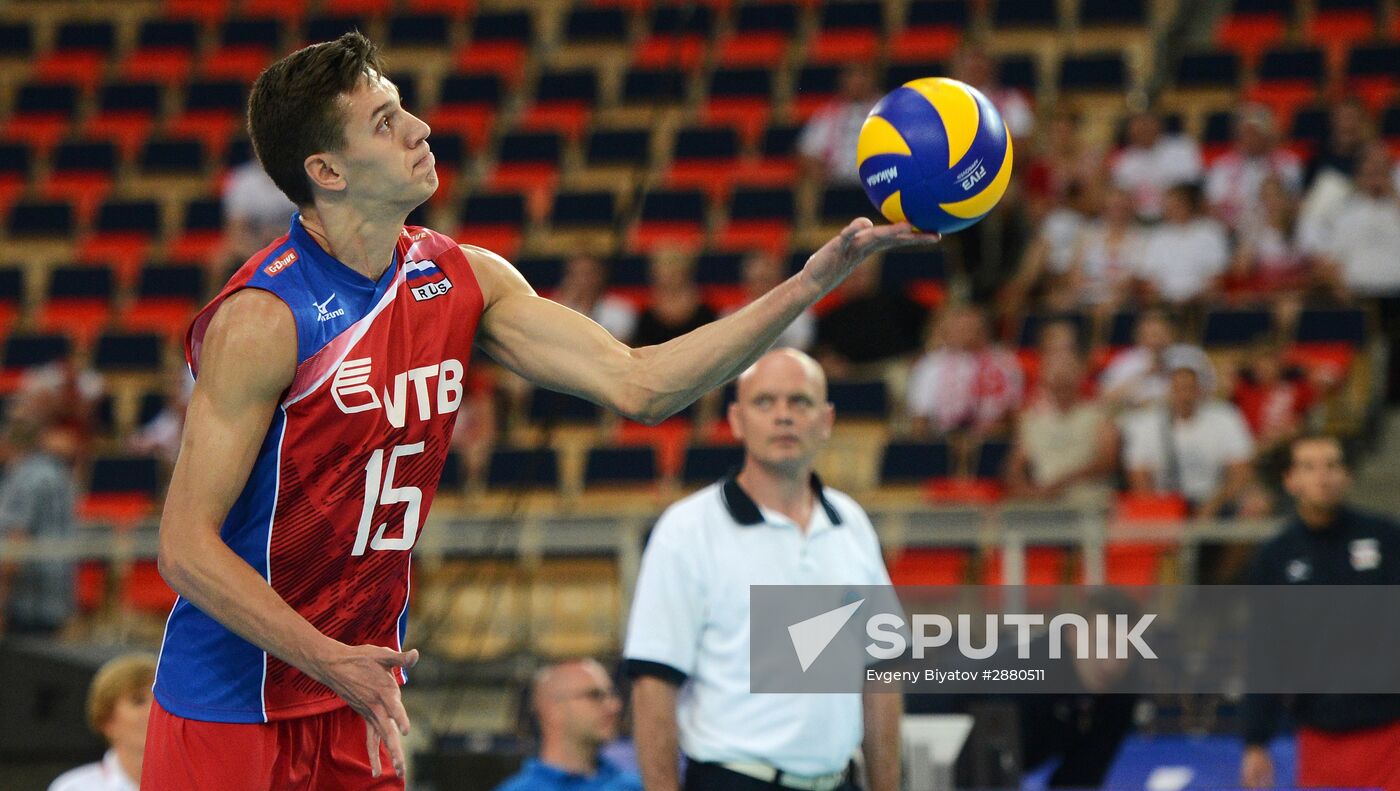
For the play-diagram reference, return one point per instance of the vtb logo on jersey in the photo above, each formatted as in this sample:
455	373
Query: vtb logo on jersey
352	392
425	280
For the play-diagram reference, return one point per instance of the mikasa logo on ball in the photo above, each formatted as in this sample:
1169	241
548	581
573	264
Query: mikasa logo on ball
888	174
973	174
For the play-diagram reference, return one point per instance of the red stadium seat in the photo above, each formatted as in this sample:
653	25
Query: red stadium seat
90	585
926	566
1044	566
145	591
1251	34
205	11
668	52
668	439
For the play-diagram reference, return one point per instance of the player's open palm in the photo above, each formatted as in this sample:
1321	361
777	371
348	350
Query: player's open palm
858	241
363	676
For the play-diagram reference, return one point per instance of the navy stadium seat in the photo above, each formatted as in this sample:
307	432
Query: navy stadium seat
937	13
583	208
250	33
139	217
570	85
124	475
631	465
718	268
991	459
709	142
85	156
869	400
1128	13
87	36
541	272
533	147
458	89
705	464
81	282
690	18
27	350
742	83
842	204
329	28
548	406
535	468
1025	13
1331	326
168	34
1102	72
618	147
1377	60
128	352
915	462
779	140
1018	71
1029	334
46	99
766	18
663	86
750	203
419	30
14	161
630	270
454	474
494	209
596	25
1236	327
1208	70
1122	328
515	26
899	73
170	282
16	40
674	206
900	267
172	156
130	97
40	218
1292	64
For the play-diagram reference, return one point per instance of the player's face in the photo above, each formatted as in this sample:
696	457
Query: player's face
387	159
126	729
781	415
1318	477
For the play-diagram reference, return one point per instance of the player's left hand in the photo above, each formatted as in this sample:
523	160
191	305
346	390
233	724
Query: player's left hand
858	241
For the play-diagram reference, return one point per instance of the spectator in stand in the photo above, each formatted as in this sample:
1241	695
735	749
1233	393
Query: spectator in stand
1273	398
1331	170
118	705
1065	445
676	306
1153	162
584	288
255	212
973	65
1045	267
1194	446
474	434
36	503
160	436
62	396
578	712
1138	376
1349	132
1185	257
827	144
1269	260
1107	256
1062	162
1236	178
965	384
869	327
1363	257
761	273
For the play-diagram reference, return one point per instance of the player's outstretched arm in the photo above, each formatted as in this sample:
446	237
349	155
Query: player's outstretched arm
247	361
563	350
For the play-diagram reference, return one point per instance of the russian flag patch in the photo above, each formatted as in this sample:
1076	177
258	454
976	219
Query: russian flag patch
425	280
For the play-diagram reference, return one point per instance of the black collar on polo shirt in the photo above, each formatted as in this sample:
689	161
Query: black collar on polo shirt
744	511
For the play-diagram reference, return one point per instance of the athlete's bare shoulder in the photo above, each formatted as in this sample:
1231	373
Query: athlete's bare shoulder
251	344
496	276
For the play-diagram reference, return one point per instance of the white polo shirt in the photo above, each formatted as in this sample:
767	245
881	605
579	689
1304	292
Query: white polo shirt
690	623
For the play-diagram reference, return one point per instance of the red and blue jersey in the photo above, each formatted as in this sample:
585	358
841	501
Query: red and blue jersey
347	471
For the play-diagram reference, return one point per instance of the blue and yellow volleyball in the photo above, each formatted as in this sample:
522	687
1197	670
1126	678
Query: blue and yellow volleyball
934	152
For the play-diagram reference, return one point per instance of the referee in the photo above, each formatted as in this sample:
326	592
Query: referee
687	649
1348	741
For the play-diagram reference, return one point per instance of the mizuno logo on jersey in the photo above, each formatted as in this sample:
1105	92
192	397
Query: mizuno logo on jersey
323	313
425	280
352	392
282	262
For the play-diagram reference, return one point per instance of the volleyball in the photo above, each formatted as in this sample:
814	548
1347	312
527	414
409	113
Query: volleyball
934	152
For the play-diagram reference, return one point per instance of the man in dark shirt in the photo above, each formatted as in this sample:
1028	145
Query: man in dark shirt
1343	740
869	326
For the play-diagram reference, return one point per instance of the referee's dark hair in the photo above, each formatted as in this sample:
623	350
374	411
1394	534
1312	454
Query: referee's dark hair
1315	436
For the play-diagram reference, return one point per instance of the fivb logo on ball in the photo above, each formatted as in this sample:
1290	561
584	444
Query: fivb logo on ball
934	153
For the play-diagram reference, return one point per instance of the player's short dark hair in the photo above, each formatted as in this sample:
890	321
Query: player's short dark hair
295	109
1315	436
